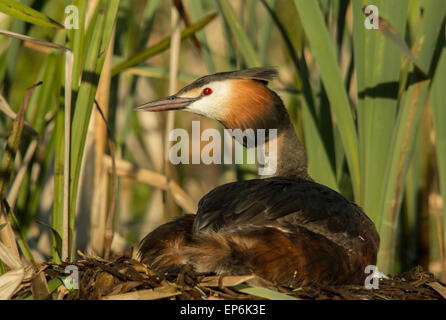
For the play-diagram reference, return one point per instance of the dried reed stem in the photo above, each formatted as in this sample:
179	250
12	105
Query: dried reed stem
155	179
169	209
66	238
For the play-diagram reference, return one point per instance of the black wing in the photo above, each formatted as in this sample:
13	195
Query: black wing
284	202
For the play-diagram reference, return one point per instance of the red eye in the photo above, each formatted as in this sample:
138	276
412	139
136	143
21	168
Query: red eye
207	91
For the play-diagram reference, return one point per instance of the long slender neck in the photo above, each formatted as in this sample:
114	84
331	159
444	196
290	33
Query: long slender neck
258	107
291	156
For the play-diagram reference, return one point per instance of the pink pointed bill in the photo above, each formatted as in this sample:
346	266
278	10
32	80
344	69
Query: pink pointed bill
165	104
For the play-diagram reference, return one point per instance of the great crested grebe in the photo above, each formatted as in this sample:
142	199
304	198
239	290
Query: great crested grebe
286	228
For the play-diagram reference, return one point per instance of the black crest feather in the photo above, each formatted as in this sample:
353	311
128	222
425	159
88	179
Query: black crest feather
264	74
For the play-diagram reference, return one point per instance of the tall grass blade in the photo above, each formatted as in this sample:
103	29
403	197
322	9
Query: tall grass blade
196	11
316	120
66	168
246	47
378	64
58	178
95	57
324	54
20	11
406	124
265	34
79	39
401	145
161	46
438	98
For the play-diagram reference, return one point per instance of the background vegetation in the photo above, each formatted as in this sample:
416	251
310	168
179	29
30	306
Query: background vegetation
367	104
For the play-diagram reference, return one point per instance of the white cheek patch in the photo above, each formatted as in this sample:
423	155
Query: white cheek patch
215	105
